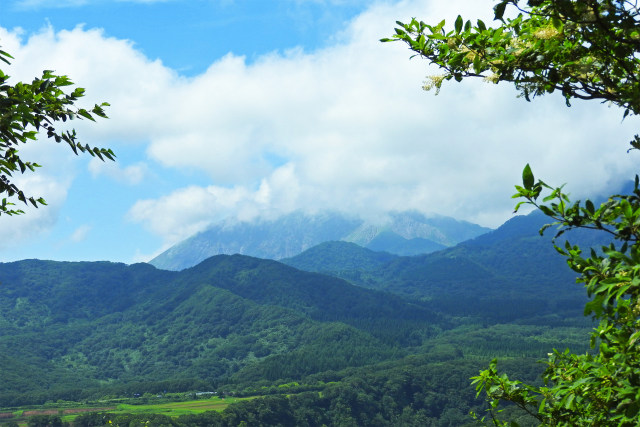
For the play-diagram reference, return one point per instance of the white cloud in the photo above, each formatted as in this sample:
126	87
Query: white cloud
348	125
80	233
132	174
364	138
139	256
51	181
189	210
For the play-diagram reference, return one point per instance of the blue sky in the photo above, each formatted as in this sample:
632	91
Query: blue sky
252	109
189	35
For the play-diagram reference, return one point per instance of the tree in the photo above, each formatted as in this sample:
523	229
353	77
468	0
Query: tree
585	49
25	110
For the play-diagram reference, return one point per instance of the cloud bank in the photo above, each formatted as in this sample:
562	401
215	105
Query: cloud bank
346	127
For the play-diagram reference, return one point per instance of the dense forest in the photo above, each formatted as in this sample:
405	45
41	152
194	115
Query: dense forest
334	348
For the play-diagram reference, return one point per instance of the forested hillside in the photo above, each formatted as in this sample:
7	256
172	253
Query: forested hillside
243	324
512	267
70	325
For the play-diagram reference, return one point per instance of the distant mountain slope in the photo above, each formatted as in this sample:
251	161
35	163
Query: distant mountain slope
331	257
437	231
405	233
388	241
275	239
511	272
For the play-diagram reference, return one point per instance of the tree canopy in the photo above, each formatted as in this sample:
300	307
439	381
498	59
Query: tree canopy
586	49
27	109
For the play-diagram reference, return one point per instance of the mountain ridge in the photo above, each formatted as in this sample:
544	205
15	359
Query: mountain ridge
501	268
405	233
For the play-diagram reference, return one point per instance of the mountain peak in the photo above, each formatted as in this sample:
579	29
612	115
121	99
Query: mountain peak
403	233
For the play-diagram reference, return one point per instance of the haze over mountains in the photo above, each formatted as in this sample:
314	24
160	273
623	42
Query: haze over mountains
400	233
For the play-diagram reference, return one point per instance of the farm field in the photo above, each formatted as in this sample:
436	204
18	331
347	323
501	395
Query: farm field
171	409
174	409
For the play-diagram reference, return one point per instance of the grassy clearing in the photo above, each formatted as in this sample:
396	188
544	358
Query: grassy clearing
172	409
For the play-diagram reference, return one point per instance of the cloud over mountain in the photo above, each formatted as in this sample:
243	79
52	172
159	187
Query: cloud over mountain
343	127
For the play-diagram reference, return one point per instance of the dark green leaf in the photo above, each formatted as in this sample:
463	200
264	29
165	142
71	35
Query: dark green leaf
498	9
458	24
589	206
527	177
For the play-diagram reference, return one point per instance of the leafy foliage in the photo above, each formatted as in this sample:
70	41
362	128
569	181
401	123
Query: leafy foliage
584	49
25	110
587	49
589	389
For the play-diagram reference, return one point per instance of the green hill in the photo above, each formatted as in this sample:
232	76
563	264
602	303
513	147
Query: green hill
85	330
72	327
507	274
338	258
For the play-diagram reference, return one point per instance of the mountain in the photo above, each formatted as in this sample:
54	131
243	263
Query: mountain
70	328
435	232
321	297
402	233
336	256
508	273
78	331
272	239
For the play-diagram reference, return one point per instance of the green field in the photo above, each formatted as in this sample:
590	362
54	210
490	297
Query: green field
172	409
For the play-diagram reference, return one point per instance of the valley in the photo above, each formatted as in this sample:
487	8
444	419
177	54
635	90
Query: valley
337	332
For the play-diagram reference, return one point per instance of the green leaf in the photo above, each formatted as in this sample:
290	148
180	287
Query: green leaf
547	210
589	206
458	24
544	228
477	64
498	10
455	62
527	177
84	113
6	54
515	210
